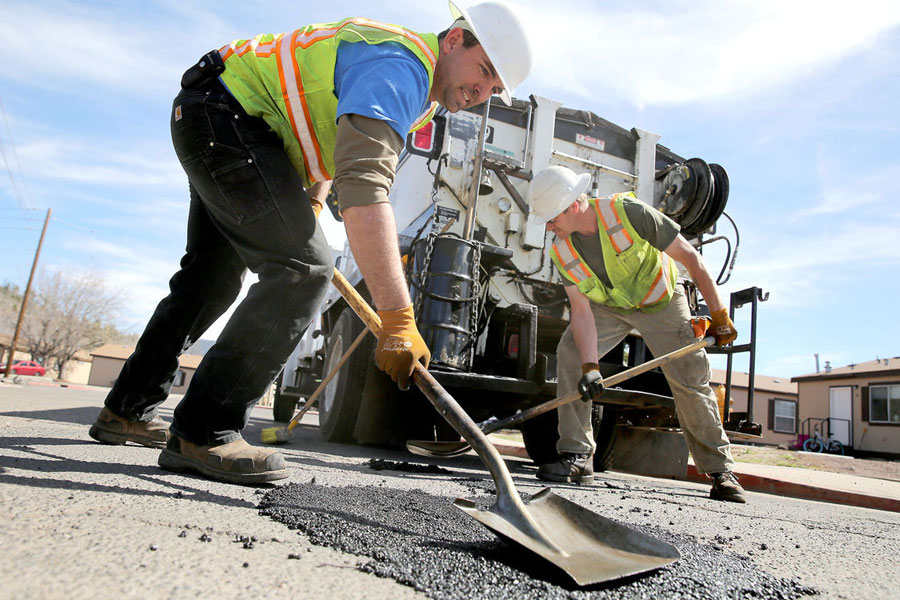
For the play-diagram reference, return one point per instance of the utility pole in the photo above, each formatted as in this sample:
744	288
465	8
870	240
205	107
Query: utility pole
15	340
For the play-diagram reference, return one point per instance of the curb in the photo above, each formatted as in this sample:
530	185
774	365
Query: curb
779	487
767	485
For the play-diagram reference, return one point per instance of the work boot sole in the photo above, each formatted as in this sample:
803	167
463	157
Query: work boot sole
117	439
737	498
173	461
582	479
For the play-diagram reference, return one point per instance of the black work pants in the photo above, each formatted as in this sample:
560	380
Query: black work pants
248	210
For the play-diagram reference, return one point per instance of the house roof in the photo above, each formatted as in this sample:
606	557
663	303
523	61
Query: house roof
873	368
190	361
780	385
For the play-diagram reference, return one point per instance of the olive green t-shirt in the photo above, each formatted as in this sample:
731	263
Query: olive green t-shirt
655	227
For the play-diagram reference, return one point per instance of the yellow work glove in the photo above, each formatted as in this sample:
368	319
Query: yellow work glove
722	327
316	206
400	345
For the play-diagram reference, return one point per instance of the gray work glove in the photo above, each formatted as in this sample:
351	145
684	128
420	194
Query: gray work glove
591	383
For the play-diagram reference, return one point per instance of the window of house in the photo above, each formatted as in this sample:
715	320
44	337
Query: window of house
884	403
785	416
179	378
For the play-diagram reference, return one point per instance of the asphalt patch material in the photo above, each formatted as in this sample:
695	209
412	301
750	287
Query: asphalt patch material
423	541
379	464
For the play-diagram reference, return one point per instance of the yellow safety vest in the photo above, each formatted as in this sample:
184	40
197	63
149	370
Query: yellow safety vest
287	79
641	276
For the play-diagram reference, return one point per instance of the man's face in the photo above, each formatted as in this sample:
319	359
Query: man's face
463	77
563	224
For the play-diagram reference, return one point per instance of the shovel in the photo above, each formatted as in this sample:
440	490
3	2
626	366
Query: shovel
451	449
589	548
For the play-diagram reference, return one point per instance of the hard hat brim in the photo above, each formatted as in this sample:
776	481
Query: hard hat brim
565	201
461	13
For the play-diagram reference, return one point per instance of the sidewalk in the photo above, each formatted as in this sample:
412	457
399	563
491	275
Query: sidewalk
806	484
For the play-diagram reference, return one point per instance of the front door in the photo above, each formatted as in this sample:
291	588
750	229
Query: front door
841	413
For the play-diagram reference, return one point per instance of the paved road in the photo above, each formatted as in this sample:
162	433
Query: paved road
79	519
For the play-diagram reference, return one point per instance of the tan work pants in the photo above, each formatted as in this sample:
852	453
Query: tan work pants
663	332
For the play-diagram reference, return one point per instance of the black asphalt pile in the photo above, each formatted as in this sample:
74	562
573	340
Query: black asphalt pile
425	542
379	464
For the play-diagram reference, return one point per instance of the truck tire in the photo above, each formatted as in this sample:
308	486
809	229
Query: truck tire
339	404
540	435
604	422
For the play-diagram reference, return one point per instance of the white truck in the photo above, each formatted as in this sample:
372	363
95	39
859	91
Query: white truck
488	299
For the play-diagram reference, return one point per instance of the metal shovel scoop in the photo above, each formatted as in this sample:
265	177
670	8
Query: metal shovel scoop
589	548
451	449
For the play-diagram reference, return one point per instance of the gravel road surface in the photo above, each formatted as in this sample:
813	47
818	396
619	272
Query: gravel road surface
79	519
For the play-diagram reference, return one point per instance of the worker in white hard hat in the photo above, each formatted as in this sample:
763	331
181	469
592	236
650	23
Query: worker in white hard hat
617	259
262	127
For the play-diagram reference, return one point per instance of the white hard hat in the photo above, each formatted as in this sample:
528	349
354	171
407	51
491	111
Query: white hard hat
503	38
553	190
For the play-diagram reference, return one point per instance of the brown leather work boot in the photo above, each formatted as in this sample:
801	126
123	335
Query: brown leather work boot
234	462
110	428
570	468
726	487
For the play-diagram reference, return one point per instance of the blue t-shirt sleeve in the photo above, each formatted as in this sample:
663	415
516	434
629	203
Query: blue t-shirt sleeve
381	81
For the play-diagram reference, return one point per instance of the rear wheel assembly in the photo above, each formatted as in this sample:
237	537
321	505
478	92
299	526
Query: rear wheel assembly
339	406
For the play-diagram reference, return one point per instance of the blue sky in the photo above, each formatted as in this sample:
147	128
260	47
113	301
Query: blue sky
798	100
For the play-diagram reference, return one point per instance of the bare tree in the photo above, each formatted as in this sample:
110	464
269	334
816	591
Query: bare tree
10	300
71	312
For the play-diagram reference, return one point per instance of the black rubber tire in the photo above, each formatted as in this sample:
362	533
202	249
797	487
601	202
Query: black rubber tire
541	433
812	445
283	408
339	402
604	422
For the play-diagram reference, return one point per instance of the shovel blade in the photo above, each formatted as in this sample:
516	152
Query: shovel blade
589	548
437	449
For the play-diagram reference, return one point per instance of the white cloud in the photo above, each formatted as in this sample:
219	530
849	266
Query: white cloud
849	188
83	160
681	52
795	267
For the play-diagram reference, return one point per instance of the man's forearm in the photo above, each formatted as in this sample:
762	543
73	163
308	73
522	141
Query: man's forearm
372	234
684	253
584	331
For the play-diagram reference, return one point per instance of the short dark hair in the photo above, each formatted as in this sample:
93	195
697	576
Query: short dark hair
469	38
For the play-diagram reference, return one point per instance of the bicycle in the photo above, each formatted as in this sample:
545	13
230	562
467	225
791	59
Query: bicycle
817	443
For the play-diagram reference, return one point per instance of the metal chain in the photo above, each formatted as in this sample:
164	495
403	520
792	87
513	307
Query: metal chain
475	307
421	278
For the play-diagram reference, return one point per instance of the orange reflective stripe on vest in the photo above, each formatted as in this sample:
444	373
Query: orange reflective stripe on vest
425	116
612	224
661	284
577	270
298	111
310	37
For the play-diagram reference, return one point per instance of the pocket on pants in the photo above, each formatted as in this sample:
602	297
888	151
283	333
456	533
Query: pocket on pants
244	188
233	165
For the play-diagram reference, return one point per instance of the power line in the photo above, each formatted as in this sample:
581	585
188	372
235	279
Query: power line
26	200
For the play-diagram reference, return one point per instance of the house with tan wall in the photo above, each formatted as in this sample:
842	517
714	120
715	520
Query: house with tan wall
77	369
109	359
775	404
859	404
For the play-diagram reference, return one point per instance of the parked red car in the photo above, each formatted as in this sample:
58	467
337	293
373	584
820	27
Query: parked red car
25	367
